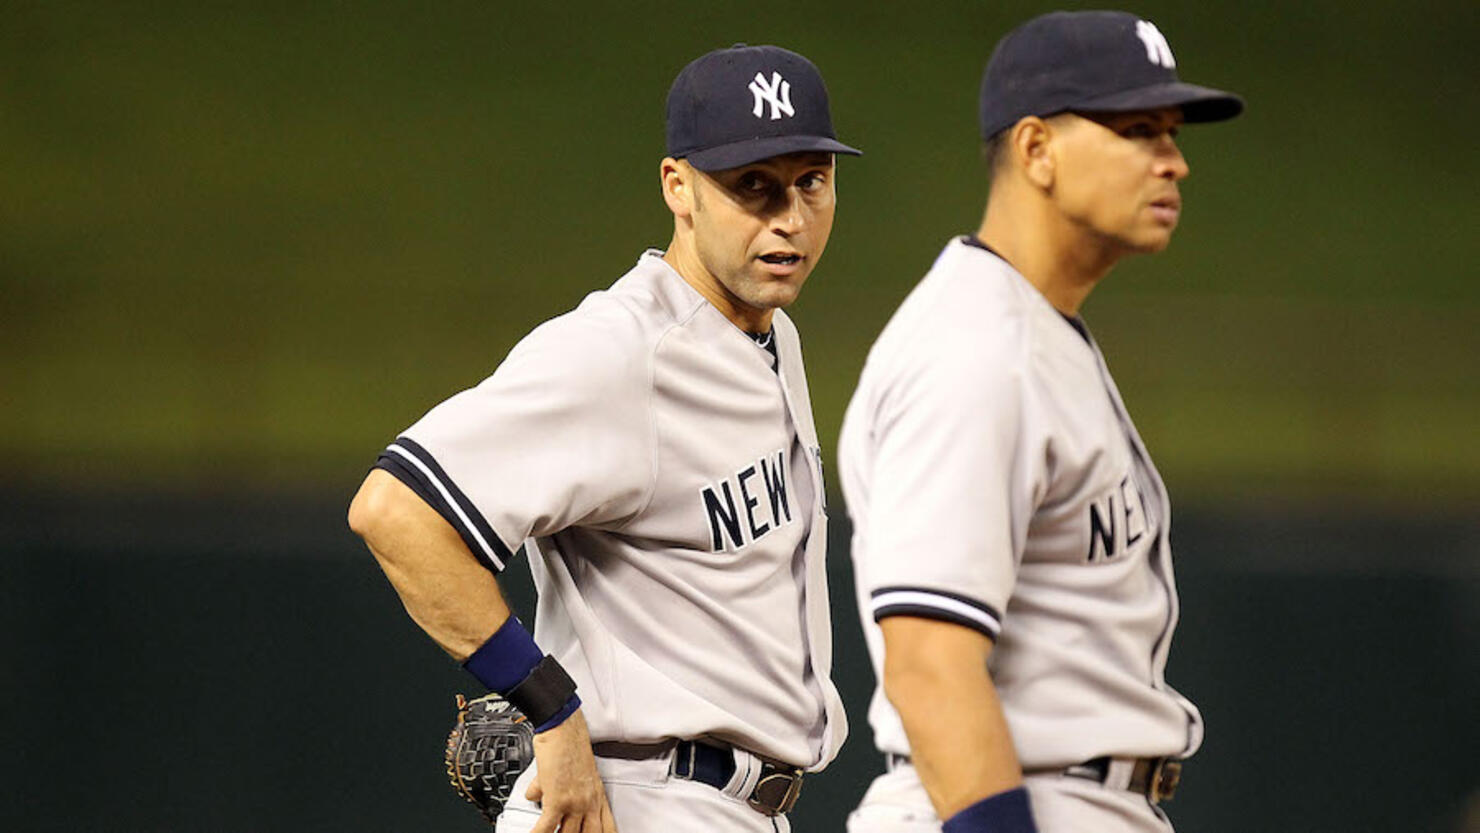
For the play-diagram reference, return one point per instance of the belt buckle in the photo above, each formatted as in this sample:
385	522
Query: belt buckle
777	790
1165	777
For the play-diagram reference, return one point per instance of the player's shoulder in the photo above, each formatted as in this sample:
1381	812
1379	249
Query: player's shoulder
979	287
609	338
633	315
654	295
968	310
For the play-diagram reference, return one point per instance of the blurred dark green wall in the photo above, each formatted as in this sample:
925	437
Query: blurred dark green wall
246	243
243	244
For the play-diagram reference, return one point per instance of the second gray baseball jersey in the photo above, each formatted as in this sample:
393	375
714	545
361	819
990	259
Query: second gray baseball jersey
995	480
665	477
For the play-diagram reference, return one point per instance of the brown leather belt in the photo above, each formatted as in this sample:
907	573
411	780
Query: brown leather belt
1155	778
777	784
776	788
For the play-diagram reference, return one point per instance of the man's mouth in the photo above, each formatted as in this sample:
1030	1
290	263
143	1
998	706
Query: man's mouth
781	258
1166	210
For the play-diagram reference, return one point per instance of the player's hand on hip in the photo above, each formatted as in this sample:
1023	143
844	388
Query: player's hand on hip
566	785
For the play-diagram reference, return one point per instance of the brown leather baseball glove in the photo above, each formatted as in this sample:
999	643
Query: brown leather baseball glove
489	746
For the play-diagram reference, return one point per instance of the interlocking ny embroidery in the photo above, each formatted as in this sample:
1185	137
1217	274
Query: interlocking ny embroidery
1157	50
777	92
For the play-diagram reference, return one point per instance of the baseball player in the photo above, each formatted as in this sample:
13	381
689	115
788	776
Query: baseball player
654	453
1010	531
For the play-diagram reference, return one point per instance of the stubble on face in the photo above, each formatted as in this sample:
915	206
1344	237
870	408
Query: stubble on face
759	230
1117	177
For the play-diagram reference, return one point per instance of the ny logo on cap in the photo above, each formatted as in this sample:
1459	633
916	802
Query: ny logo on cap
778	92
1157	50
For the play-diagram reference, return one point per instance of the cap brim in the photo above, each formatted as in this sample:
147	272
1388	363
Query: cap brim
745	152
1199	104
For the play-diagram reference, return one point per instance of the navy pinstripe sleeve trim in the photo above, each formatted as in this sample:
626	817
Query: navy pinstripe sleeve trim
413	465
930	603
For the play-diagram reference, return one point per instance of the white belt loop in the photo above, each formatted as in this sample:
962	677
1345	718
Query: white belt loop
747	774
1118	773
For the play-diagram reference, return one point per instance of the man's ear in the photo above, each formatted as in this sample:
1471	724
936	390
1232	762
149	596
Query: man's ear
678	181
1031	145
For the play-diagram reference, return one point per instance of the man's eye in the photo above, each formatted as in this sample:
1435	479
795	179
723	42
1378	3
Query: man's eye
1140	130
811	182
753	183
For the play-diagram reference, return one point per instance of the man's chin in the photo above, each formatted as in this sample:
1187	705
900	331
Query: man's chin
774	294
1150	244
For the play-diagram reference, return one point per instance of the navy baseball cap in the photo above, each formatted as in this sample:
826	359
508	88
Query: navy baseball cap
1090	62
738	105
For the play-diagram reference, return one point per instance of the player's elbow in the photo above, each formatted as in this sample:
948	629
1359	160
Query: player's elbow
925	660
373	507
910	679
361	516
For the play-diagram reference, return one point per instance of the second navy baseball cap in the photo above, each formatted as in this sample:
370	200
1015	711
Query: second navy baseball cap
739	105
1090	62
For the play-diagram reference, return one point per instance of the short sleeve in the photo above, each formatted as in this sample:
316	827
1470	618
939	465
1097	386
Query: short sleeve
558	436
952	483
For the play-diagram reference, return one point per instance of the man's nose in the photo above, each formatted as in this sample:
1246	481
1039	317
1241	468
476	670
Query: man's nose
790	215
1170	162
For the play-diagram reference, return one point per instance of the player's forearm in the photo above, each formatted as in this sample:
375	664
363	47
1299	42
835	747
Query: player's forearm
441	584
959	741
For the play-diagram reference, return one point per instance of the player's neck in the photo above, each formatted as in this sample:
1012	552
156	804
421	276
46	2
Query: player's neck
1055	256
685	261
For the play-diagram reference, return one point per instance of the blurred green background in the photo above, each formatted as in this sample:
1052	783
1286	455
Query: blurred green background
243	244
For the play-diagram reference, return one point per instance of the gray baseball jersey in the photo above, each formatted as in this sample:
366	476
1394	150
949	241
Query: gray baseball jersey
995	480
664	475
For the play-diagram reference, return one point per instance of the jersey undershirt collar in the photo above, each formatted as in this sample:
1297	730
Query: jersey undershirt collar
1074	321
768	341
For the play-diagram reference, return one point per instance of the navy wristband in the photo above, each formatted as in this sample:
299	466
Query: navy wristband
512	664
545	695
559	717
1005	812
506	658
